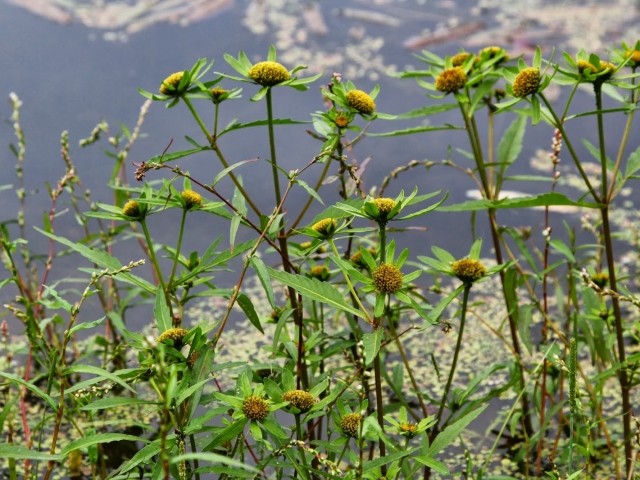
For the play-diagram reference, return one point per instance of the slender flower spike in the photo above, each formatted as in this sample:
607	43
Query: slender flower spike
191	199
527	82
468	270
387	278
451	80
325	227
350	424
175	334
170	84
361	101
299	399
255	408
268	73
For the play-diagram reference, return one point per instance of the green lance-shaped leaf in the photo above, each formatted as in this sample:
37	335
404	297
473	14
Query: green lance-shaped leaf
315	290
371	342
543	200
98	439
20	452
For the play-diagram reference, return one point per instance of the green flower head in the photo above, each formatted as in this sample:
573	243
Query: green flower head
325	227
268	73
174	334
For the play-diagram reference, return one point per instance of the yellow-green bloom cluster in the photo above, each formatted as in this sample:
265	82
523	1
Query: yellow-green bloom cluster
451	80
635	58
494	51
586	67
468	270
409	429
216	93
300	399
384	205
361	101
255	408
175	334
131	209
326	226
268	74
600	279
350	424
387	278
342	120
320	272
191	199
527	82
173	81
459	59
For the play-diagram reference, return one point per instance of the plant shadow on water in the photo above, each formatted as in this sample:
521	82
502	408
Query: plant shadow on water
279	327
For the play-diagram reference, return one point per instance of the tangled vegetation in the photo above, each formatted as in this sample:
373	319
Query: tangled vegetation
360	368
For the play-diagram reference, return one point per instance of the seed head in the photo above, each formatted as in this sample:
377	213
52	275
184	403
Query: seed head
255	408
387	278
216	93
527	82
468	270
300	399
191	199
408	429
601	280
326	226
350	424
586	67
320	272
459	59
175	334
131	209
360	101
268	74
172	81
451	80
342	120
635	58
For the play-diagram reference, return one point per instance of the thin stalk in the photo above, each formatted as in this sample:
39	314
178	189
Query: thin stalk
406	445
272	146
445	396
300	439
154	261
383	244
235	180
178	247
603	156
317	186
379	406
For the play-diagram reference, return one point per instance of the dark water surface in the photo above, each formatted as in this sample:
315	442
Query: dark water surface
69	78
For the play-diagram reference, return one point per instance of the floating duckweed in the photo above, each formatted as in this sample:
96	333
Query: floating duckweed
387	278
586	67
408	428
269	74
326	226
342	120
635	58
131	209
459	59
527	82
361	101
600	279
191	199
451	80
255	408
320	272
350	424
300	399
175	334
468	270
172	81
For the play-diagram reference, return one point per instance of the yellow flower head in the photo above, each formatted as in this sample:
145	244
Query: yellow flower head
451	80
191	199
268	74
173	81
216	93
300	399
320	272
607	67
361	101
499	93
357	257
350	424
408	429
459	59
468	270
326	226
586	67
526	83
255	408
600	279
635	58
342	120
175	334
384	205
131	209
387	278
493	52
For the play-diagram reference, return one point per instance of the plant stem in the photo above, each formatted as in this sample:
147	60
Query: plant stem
300	439
383	243
178	247
154	261
272	146
603	156
379	405
445	396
